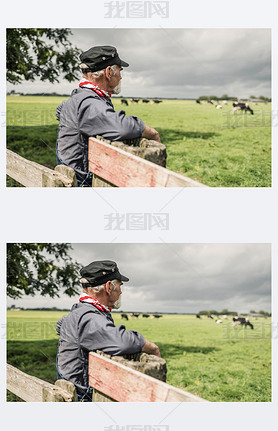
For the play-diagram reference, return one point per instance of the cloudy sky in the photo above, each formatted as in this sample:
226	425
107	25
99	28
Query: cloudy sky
180	63
181	278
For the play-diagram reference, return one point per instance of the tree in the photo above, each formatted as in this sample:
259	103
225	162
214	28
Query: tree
41	268
44	53
203	312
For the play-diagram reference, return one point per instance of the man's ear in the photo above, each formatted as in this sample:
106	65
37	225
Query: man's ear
108	72
108	287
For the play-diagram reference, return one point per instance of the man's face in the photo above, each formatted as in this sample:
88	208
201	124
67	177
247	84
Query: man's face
116	295
115	82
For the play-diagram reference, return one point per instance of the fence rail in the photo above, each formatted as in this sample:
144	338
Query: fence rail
31	174
110	380
32	389
120	383
122	169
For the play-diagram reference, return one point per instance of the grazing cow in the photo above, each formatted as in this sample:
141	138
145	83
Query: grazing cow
210	316
145	101
157	101
134	315
219	321
198	101
124	316
224	102
145	315
241	106
218	106
133	100
224	316
198	316
210	102
124	102
157	316
242	321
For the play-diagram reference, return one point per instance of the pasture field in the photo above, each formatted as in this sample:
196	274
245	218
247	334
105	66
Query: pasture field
213	361
211	146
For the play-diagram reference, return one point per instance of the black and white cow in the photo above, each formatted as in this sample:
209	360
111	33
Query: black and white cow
124	316
242	106
145	315
124	102
242	321
134	315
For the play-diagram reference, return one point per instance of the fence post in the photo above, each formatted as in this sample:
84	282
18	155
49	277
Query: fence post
147	364
150	150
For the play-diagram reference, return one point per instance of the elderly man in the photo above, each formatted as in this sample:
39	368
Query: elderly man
90	112
89	326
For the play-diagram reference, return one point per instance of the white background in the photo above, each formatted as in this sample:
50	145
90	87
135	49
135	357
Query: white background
197	215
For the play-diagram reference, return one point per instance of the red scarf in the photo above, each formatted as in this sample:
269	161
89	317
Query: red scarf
95	302
95	88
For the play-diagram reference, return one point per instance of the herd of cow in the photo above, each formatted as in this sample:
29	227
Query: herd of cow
237	320
153	316
133	100
237	106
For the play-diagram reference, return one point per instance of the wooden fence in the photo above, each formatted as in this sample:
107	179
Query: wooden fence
110	380
111	167
122	169
31	174
32	389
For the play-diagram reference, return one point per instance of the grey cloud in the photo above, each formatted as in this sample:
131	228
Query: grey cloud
168	61
186	277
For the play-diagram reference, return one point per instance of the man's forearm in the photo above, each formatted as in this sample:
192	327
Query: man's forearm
150	133
151	348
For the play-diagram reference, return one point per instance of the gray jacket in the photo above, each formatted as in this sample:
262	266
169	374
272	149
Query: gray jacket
87	114
87	329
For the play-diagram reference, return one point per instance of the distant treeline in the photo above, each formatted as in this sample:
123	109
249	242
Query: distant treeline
231	313
13	307
234	98
13	93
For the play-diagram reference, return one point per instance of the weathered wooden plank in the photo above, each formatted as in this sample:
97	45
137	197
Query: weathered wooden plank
126	385
127	170
100	182
31	174
67	175
67	389
32	389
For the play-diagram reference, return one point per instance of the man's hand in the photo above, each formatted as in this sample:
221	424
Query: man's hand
150	133
151	349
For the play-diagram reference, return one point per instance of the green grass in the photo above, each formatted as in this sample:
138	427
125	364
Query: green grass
212	361
208	145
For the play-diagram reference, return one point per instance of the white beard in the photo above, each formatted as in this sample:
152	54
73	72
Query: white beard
117	304
117	89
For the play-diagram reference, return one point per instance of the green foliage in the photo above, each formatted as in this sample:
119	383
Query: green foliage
40	268
211	146
40	52
215	362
